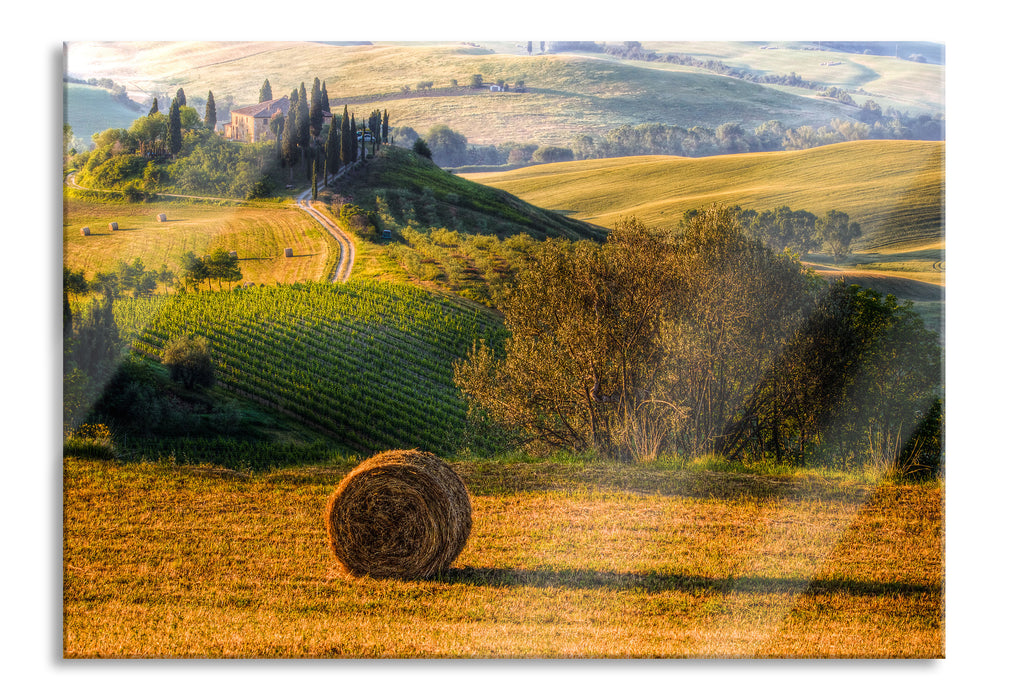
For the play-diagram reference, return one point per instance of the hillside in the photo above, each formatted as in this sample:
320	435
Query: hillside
567	94
358	367
409	190
893	189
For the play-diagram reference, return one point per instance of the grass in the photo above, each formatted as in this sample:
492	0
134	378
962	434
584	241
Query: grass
894	189
258	233
566	559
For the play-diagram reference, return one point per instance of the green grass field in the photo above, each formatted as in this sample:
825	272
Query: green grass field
571	559
259	234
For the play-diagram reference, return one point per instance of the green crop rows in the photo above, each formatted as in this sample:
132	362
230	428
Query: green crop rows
369	363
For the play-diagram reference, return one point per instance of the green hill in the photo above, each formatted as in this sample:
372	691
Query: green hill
410	190
352	368
893	189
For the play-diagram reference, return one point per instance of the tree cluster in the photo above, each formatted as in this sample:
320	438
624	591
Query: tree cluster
696	340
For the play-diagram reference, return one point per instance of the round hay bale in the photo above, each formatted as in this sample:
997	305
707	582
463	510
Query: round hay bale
85	231
288	252
400	514
113	226
162	217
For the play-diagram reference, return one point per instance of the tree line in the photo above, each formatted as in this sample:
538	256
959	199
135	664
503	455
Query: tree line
181	150
700	340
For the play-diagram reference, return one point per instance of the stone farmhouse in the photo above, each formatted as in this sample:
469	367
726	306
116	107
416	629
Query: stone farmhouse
252	124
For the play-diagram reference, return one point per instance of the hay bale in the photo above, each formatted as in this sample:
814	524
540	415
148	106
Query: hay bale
85	231
288	252
233	254
113	226
400	514
162	217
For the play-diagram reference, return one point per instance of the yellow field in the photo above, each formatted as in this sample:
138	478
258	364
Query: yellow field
259	234
564	560
893	189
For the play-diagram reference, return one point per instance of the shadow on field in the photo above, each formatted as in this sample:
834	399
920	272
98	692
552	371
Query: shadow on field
661	582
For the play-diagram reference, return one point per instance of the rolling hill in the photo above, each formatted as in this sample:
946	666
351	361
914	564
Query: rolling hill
567	93
894	189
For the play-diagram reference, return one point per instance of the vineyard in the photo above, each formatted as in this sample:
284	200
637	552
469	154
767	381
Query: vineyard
367	364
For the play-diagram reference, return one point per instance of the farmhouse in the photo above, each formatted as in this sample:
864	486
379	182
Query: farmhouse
252	124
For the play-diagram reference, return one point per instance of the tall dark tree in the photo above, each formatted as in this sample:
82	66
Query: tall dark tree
154	107
325	97
346	139
303	121
353	139
210	118
385	127
315	110
180	95
333	148
289	151
266	92
174	129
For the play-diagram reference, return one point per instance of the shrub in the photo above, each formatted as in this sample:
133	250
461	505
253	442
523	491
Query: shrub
188	361
90	441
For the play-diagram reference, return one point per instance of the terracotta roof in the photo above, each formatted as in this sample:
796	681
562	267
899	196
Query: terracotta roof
266	109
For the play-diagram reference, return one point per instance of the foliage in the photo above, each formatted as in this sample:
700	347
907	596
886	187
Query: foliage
188	360
90	441
448	147
640	345
420	147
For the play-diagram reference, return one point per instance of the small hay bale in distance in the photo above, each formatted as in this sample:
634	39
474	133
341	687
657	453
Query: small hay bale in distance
162	217
400	514
288	252
113	226
85	231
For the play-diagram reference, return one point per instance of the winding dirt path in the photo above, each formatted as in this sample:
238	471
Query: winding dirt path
346	262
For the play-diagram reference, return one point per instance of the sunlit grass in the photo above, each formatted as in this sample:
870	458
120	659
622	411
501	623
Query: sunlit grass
567	558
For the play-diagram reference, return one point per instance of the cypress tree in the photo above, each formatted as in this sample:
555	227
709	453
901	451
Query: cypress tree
210	118
289	145
315	111
333	149
353	139
325	97
154	107
303	123
385	127
174	128
346	139
181	97
266	92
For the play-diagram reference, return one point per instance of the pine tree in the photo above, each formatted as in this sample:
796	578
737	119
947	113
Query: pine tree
154	108
266	92
210	118
174	128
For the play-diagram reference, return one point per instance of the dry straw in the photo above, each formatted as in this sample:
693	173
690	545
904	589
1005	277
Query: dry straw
400	514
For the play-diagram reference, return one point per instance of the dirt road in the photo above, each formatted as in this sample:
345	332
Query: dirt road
346	262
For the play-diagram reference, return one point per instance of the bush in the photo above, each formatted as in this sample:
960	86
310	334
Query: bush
188	361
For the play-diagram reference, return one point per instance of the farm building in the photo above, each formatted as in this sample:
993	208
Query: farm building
252	124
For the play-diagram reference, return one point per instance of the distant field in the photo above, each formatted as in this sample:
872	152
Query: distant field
568	94
893	189
259	234
583	559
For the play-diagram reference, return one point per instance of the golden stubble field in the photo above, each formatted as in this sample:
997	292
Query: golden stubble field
565	560
259	234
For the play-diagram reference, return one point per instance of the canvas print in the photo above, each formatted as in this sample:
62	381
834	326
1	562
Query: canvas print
508	349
